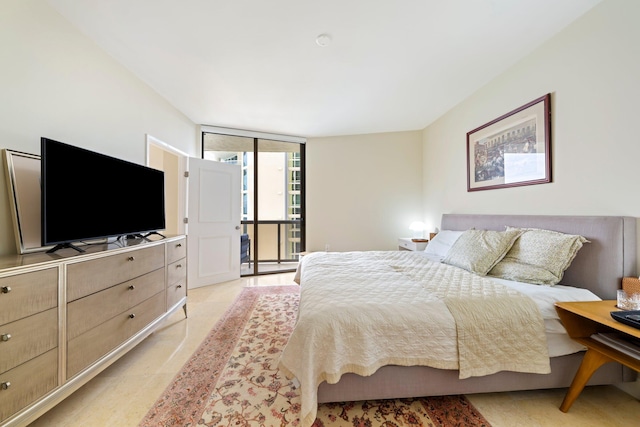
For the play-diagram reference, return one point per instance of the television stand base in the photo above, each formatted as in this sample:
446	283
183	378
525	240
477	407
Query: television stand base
144	237
152	233
64	245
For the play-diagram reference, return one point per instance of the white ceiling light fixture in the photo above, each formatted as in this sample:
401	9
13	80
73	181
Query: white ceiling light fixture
323	40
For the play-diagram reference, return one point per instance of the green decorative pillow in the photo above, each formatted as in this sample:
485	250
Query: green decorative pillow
478	251
539	257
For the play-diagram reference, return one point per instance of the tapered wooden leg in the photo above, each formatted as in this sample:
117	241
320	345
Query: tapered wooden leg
590	363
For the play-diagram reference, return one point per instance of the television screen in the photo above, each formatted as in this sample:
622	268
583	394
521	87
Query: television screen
87	195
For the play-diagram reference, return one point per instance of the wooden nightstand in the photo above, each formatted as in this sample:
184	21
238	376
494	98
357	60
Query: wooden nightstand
583	319
406	244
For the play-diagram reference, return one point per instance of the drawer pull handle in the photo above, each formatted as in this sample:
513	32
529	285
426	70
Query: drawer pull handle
132	315
5	385
5	337
179	286
132	287
179	266
6	289
131	258
179	245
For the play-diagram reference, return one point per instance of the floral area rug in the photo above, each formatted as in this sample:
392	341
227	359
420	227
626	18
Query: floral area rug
232	379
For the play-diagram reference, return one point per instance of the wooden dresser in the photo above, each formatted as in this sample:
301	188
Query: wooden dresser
66	316
176	272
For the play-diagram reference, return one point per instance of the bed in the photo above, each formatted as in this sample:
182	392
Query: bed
350	361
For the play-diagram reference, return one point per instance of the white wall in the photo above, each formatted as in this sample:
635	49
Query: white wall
592	70
363	191
59	84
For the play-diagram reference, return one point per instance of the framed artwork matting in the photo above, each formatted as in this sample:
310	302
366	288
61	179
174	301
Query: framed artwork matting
512	150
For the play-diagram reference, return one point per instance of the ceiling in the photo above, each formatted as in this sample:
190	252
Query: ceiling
391	65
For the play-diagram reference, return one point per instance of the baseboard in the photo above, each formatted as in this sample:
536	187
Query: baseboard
632	388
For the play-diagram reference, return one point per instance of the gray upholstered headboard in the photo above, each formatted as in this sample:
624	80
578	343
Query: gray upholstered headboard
599	265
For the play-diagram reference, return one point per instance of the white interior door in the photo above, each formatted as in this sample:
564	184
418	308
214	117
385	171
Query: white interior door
214	222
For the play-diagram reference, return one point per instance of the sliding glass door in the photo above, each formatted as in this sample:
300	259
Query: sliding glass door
272	198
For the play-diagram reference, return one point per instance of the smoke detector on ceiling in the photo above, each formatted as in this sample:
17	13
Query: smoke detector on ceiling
323	40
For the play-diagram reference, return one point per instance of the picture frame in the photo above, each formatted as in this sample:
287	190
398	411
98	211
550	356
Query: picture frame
512	150
23	184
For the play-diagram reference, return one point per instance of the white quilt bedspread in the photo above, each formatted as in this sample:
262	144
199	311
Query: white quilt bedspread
363	310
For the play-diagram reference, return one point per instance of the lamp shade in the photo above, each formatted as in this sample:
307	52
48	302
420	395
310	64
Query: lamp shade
417	229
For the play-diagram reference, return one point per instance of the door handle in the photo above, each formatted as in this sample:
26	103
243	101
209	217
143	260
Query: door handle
237	227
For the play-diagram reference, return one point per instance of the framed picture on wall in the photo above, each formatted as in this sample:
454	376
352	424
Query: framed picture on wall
512	150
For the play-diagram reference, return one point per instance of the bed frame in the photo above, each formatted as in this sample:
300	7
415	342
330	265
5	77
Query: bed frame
599	267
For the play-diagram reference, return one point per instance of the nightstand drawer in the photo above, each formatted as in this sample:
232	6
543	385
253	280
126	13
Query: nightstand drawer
406	244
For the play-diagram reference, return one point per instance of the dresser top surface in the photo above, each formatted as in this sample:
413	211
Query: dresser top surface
10	262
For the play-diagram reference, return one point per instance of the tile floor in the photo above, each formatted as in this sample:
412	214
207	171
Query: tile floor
122	394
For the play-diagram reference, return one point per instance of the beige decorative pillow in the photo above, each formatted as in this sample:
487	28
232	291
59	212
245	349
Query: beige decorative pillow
539	256
478	251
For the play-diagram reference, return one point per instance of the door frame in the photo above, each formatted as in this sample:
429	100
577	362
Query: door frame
262	136
175	165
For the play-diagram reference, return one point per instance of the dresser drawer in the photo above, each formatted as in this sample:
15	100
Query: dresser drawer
176	250
176	271
27	338
88	312
85	349
92	276
176	292
22	295
28	382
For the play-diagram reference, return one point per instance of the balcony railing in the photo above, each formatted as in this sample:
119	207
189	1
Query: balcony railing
279	243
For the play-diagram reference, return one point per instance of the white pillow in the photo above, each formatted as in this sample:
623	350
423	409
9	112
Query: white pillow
442	242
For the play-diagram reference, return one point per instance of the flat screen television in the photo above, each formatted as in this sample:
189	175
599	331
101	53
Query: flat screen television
87	196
